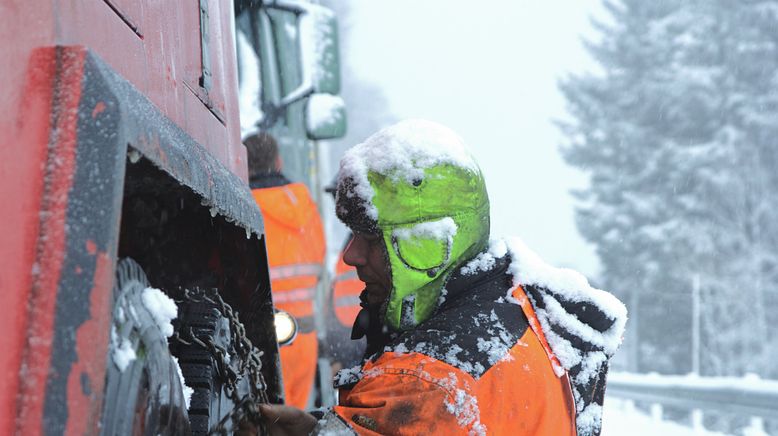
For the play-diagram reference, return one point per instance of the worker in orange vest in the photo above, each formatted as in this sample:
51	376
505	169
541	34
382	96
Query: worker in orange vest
295	248
466	335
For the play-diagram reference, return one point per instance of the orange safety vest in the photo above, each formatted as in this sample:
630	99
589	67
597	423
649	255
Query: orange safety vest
295	248
407	392
346	288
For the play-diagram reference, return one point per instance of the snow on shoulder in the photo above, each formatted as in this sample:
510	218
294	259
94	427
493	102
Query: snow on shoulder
592	320
570	286
402	151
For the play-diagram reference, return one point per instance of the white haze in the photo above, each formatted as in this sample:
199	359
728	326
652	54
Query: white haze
489	71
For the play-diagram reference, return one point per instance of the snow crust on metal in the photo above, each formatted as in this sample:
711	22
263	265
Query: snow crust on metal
323	110
164	310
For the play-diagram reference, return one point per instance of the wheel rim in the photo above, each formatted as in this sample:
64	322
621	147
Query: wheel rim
143	395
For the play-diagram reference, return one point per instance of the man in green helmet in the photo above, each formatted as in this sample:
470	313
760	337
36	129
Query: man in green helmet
465	335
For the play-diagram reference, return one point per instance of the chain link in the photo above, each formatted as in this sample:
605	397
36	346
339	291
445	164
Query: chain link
245	410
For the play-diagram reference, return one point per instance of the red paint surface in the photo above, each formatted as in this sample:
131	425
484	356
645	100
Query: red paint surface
171	41
60	167
99	108
91	248
91	343
155	63
131	11
25	137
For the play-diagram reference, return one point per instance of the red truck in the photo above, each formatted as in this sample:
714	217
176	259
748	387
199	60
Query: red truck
123	171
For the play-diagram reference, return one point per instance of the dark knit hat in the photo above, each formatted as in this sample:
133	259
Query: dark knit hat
350	208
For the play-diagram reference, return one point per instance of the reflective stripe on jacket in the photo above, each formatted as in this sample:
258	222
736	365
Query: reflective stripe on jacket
295	248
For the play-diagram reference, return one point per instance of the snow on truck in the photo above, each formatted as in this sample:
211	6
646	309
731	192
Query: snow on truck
133	270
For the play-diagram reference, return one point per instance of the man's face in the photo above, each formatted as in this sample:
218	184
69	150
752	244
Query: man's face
367	253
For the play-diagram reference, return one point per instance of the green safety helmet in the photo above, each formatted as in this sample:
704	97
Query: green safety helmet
416	184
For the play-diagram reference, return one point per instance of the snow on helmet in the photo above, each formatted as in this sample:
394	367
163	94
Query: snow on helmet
417	185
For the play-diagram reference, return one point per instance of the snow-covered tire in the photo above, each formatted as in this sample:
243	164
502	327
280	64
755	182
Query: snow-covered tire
143	391
209	403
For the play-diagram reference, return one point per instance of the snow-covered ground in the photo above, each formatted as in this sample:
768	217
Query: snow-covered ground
746	392
619	420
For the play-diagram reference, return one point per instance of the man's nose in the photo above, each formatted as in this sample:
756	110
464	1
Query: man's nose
355	252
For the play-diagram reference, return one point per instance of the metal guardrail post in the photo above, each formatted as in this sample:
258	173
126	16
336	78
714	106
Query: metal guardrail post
697	423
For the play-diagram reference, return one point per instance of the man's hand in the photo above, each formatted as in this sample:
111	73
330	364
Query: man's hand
286	420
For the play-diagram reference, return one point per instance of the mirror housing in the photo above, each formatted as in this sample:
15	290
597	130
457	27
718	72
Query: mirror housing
325	117
317	30
319	69
319	53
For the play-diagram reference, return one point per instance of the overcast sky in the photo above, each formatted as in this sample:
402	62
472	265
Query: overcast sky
489	70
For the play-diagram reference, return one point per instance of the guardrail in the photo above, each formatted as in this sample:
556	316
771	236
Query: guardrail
748	397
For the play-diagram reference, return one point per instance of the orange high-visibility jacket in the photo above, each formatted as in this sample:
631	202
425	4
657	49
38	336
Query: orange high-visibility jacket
346	288
479	365
295	247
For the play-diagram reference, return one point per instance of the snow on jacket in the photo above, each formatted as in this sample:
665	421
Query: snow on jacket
515	347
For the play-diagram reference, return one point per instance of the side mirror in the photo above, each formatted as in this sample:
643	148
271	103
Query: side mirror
315	41
319	53
317	30
325	117
286	327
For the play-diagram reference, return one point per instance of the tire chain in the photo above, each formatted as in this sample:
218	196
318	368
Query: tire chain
246	410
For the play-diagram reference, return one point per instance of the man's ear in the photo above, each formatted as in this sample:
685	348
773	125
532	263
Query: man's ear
279	164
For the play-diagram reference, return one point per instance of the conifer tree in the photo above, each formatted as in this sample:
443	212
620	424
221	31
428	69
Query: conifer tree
678	134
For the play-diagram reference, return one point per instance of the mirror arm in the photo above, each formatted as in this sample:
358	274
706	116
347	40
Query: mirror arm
299	93
273	112
286	5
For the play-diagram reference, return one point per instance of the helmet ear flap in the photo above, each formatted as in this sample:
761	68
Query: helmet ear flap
424	254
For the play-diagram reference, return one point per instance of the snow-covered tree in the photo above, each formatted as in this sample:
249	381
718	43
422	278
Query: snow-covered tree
679	135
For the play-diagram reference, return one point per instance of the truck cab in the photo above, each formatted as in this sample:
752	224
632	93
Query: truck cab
289	79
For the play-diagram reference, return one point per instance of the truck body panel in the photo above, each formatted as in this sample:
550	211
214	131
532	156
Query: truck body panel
90	88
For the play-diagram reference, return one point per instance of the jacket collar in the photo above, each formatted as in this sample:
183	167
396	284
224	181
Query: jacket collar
268	180
461	285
